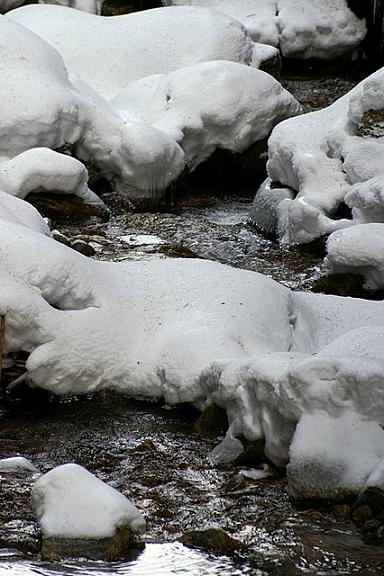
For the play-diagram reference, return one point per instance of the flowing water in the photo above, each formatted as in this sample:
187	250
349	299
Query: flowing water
151	453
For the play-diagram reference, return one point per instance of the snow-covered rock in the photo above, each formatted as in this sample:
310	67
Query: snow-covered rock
195	331
358	250
70	502
40	107
42	169
329	158
301	28
117	51
80	515
17	464
206	106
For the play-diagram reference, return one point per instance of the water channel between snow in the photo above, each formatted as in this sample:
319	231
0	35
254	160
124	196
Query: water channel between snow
153	455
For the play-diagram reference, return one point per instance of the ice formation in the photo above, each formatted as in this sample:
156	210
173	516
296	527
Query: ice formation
243	107
301	28
70	502
328	159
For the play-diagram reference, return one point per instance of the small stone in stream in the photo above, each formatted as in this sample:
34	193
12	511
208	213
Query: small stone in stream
213	539
371	525
361	515
56	235
104	460
83	247
212	422
145	446
342	513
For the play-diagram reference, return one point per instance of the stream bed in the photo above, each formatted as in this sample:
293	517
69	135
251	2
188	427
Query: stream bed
152	453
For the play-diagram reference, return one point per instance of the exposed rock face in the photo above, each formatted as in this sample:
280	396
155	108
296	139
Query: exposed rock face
214	539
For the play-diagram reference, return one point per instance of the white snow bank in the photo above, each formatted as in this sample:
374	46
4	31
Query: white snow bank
358	250
40	107
115	51
313	29
333	456
194	331
42	169
15	210
16	464
207	106
328	158
301	28
70	502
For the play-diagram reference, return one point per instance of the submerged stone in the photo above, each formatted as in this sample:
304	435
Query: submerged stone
214	539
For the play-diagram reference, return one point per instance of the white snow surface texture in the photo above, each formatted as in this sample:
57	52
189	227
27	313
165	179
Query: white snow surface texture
142	151
300	28
201	332
70	502
324	159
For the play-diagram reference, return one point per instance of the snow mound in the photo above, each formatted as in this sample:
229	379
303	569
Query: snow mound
329	158
201	332
40	107
115	51
70	502
358	250
300	28
207	106
17	464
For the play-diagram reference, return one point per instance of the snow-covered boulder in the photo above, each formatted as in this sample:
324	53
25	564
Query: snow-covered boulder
358	250
40	107
200	332
17	464
75	508
301	28
329	159
117	51
210	105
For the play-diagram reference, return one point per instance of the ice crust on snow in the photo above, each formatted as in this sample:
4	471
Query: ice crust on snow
195	331
70	502
326	159
244	107
300	28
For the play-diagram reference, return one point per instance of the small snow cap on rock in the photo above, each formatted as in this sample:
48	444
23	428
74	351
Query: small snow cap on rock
70	502
16	464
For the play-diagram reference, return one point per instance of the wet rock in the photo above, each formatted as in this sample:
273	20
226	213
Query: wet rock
372	497
342	513
346	285
371	525
371	124
63	208
361	515
116	7
272	66
119	547
145	446
59	237
212	422
213	539
104	460
83	247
